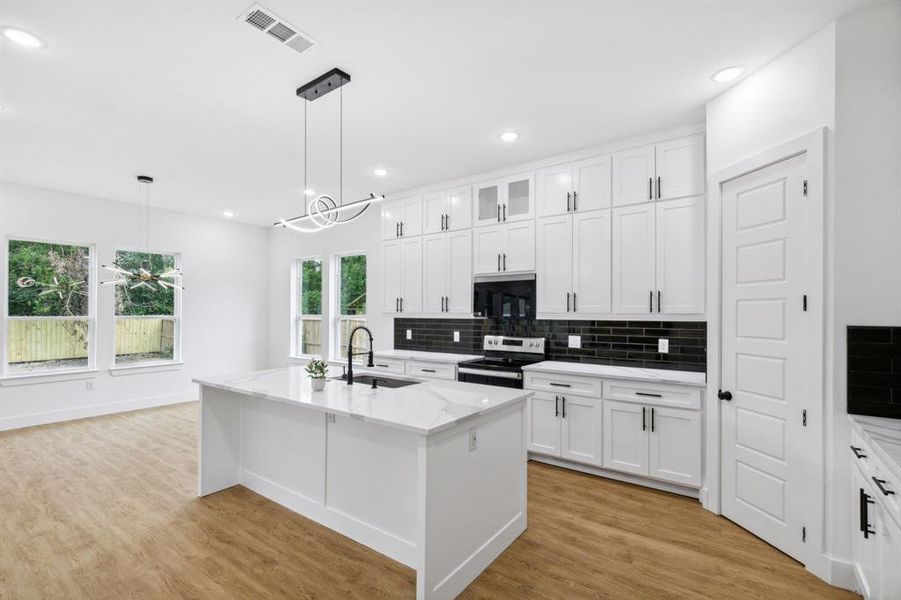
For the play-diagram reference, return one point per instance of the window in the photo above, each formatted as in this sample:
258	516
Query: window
308	308
147	323
350	303
49	308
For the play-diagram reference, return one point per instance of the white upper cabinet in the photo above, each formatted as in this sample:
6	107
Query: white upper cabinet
665	171
402	276
504	200
448	210
591	263
447	273
392	276
402	218
575	187
488	244
680	168
504	248
633	259
633	176
554	283
680	256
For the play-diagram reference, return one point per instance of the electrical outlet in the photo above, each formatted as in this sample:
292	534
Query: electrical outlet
409	334
473	439
662	346
456	336
575	341
89	386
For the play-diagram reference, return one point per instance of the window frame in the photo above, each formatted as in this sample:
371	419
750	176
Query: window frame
177	356
297	316
335	315
90	318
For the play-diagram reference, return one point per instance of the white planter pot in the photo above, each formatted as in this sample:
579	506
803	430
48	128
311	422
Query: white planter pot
318	383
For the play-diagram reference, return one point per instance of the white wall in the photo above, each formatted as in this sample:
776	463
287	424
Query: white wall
224	306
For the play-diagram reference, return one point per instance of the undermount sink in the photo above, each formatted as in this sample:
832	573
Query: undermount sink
386	382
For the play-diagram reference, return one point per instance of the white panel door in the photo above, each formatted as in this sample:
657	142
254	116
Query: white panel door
520	247
543	424
434	207
411	221
555	259
591	184
554	191
392	273
765	337
488	244
675	445
591	262
392	213
459	290
633	176
680	168
680	256
411	281
582	429
459	209
633	259
435	261
625	437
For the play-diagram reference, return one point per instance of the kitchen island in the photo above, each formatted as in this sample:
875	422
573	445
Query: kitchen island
432	475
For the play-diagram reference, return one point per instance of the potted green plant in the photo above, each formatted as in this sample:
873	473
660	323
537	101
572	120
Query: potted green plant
317	370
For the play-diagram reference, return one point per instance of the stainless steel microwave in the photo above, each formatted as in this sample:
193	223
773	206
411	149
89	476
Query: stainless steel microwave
504	296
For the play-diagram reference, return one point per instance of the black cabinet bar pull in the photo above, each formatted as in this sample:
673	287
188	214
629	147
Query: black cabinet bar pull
397	229
567	201
427	370
650	188
649	395
574	302
864	514
651	301
498	262
505	260
858	452
643	425
498	213
652	419
396	305
658	188
382	366
658	300
567	301
879	483
563	412
505	212
555	384
401	305
575	195
401	229
556	406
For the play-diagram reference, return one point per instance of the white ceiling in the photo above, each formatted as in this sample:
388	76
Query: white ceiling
184	92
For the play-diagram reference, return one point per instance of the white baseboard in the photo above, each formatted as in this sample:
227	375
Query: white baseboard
840	573
93	410
624	477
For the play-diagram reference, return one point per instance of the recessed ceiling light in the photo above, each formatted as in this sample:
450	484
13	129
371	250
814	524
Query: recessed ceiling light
309	192
379	172
228	214
509	136
23	38
726	75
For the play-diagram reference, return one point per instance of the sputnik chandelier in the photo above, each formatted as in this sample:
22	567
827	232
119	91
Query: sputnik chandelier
143	276
324	211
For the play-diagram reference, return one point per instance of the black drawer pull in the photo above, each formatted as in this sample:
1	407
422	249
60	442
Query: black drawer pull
879	483
555	384
858	452
649	395
383	366
428	370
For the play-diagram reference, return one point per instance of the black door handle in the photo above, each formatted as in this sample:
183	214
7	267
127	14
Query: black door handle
864	514
567	201
556	406
505	212
575	195
498	213
643	422
563	401
498	262
650	188
858	452
505	261
651	301
879	483
658	300
658	188
724	395
652	419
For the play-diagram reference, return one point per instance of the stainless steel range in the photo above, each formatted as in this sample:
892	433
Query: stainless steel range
504	359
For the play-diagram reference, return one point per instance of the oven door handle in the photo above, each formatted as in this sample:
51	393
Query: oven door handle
486	373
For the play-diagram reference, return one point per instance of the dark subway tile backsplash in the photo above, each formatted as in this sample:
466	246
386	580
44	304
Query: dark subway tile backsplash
874	371
621	343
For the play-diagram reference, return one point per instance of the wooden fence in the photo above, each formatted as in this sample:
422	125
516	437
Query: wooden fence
312	337
36	340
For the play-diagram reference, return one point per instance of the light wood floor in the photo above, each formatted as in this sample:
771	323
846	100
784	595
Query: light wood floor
105	508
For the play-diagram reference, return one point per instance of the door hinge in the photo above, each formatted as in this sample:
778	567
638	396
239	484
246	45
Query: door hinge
804	417
804	534
805	187
805	303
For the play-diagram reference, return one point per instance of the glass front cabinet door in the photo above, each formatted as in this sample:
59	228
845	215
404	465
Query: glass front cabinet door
504	200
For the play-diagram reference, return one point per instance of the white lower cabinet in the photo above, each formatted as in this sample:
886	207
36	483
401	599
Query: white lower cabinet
625	437
565	427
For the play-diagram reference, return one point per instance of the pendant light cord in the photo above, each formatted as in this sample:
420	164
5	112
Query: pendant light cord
341	145
305	188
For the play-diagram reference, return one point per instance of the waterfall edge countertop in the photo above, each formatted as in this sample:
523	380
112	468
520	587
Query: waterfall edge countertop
425	408
611	372
422	356
884	436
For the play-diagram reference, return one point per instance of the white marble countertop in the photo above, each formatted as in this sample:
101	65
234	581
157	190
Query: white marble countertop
884	435
419	355
610	372
425	408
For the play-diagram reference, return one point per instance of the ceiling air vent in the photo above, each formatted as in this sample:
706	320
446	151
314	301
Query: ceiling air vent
266	21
